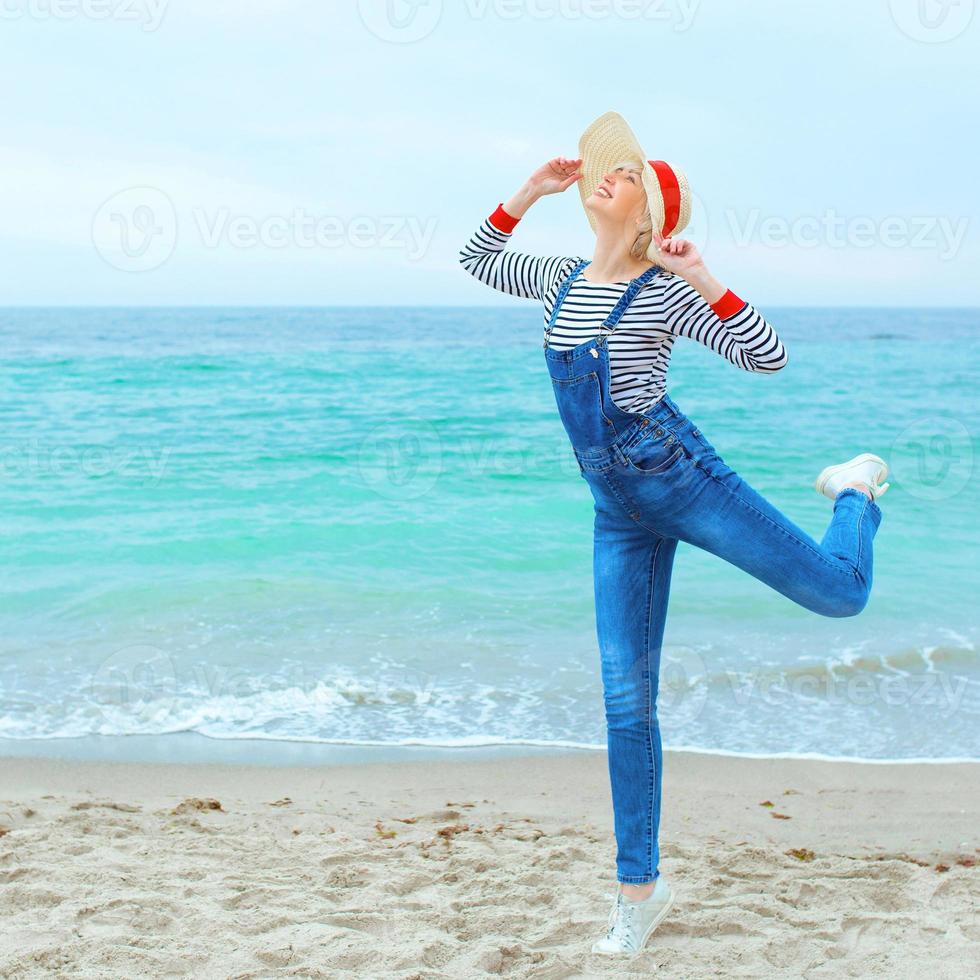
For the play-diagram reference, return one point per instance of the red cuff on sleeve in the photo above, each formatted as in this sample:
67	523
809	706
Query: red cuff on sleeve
503	221
728	305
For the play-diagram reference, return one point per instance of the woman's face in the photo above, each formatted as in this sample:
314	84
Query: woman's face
620	195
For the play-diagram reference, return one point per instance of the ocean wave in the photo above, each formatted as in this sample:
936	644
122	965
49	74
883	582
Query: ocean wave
909	662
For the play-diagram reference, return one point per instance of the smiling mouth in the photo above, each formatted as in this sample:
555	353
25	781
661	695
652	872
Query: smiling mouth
602	192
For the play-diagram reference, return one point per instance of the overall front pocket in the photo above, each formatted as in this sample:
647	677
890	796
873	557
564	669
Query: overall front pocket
653	456
580	407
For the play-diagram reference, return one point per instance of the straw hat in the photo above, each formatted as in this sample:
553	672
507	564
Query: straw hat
609	141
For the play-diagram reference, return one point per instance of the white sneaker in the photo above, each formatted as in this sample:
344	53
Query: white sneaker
631	923
865	468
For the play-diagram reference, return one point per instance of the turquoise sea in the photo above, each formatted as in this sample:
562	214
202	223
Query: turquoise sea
364	526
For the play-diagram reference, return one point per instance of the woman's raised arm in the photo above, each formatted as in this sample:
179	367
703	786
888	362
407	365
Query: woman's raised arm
702	309
485	257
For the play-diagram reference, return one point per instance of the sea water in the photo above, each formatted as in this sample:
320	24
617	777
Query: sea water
364	526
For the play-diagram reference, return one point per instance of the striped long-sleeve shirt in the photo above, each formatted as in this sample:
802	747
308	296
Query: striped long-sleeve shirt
667	307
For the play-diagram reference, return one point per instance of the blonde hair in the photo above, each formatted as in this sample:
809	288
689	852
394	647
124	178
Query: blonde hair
644	235
638	250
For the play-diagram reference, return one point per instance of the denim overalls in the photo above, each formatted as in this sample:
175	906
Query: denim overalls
656	481
581	376
598	429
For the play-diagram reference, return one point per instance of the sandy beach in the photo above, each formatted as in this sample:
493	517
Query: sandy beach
482	868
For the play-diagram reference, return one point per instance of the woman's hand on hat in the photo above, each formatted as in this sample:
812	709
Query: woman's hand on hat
555	176
677	255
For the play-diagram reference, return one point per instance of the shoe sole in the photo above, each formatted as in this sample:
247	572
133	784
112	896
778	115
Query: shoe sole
828	471
650	929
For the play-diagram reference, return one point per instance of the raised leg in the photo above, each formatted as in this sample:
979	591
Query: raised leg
729	518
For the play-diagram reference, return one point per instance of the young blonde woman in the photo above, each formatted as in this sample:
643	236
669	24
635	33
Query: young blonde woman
610	325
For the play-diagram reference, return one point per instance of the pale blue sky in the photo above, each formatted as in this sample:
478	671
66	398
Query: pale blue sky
249	124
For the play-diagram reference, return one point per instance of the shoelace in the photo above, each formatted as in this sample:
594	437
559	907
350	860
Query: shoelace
877	489
619	925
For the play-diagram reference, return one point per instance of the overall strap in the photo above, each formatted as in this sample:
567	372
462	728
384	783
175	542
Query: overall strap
560	298
629	294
